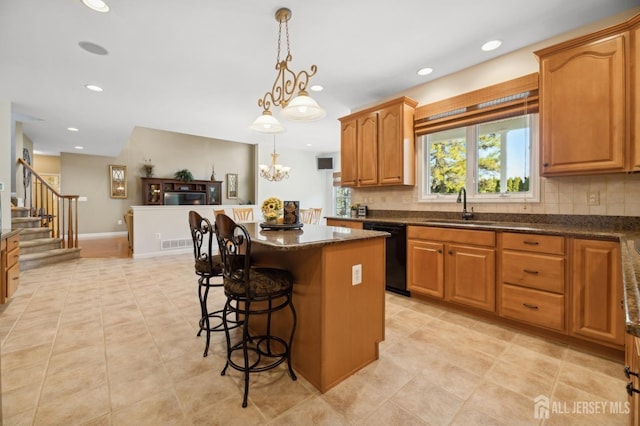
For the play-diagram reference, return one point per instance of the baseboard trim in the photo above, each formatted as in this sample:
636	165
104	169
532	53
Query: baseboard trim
96	235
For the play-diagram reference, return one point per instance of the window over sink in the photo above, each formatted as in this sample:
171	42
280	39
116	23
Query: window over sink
494	161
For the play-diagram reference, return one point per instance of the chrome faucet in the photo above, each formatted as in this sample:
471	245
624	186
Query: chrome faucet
462	198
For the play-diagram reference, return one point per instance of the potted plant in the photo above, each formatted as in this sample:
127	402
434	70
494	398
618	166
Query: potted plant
184	175
354	210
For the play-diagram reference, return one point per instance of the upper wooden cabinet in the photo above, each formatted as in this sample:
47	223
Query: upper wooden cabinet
587	104
377	145
635	91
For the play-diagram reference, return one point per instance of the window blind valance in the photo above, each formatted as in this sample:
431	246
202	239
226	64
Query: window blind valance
503	100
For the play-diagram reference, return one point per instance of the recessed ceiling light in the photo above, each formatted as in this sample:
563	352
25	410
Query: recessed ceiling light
316	88
96	49
72	129
309	144
425	71
491	45
97	5
93	87
79	147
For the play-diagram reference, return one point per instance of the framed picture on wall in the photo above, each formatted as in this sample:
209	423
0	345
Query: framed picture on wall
232	185
118	181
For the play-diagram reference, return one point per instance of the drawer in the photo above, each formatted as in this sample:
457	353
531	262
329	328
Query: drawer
550	244
462	236
13	242
13	279
533	306
353	224
12	257
540	271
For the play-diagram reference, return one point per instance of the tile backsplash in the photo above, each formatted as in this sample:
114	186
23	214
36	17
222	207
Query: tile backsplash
611	195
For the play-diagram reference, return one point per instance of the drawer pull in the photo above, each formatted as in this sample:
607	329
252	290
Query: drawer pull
531	243
628	373
529	271
631	389
527	305
440	251
15	278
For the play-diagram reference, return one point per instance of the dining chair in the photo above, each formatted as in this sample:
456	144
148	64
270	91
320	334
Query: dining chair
305	215
316	214
251	292
243	214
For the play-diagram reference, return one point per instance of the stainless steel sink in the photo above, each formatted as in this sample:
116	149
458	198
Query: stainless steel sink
462	222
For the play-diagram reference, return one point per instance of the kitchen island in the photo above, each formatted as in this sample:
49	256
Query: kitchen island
340	321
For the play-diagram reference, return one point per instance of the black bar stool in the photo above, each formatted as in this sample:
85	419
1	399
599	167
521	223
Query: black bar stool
252	291
207	266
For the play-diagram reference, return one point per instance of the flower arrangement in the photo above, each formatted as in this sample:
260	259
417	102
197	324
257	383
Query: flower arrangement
272	208
148	167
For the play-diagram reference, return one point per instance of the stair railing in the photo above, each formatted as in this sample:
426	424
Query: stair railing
56	211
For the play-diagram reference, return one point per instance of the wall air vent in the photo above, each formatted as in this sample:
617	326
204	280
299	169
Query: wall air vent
176	244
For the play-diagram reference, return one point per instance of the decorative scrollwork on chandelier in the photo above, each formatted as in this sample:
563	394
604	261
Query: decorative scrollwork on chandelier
283	92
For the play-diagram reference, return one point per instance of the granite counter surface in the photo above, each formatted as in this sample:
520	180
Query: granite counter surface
613	228
306	237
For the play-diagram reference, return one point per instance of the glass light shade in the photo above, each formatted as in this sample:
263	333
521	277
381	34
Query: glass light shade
303	108
267	123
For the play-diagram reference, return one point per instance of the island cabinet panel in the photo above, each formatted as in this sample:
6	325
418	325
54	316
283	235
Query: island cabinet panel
377	145
452	264
532	279
598	308
339	324
584	110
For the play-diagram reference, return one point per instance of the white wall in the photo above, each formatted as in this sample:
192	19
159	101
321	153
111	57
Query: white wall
5	163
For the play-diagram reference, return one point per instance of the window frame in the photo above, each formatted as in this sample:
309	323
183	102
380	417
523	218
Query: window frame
531	196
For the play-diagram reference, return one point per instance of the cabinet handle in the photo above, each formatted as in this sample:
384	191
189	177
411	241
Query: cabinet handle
440	251
450	251
15	278
529	271
531	243
545	164
526	305
631	389
628	373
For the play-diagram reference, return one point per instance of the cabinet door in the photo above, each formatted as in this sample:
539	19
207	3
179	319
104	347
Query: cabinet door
396	148
425	268
367	136
632	361
583	109
390	145
635	96
214	193
470	276
597	311
348	153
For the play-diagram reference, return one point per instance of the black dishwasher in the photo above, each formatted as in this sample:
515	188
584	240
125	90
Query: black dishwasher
396	261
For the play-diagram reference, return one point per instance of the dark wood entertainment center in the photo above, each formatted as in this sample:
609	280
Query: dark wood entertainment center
155	189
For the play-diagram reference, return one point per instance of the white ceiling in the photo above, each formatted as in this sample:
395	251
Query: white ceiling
199	66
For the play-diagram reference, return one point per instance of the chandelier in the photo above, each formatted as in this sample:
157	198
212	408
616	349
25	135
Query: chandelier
299	108
274	172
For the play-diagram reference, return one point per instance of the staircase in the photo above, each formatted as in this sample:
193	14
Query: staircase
37	248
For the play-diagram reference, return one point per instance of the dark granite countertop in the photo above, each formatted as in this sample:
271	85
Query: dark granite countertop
306	237
613	228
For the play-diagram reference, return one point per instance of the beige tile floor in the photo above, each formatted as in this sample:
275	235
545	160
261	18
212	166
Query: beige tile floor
112	341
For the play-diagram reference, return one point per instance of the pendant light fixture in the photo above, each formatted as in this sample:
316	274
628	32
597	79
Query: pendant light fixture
274	172
300	107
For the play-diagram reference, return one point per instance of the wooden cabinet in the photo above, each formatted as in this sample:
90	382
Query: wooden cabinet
588	103
632	363
635	91
345	223
193	192
532	279
9	267
377	145
597	306
455	264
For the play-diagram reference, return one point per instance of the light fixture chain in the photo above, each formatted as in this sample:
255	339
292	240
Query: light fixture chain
286	27
279	42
